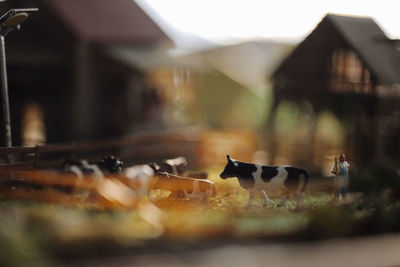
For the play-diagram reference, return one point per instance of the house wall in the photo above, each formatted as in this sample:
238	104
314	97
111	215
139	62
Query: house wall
83	95
38	65
311	75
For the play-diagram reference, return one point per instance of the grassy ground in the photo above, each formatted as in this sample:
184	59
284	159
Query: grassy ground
224	215
33	230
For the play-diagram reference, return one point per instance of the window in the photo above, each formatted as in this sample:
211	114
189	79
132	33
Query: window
33	128
348	73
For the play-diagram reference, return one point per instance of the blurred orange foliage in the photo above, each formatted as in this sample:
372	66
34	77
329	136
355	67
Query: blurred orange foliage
213	146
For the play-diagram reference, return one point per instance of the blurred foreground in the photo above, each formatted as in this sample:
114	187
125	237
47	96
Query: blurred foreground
167	231
52	218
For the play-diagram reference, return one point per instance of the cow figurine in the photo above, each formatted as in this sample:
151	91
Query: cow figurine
141	178
107	165
176	166
80	168
169	173
255	177
111	164
185	187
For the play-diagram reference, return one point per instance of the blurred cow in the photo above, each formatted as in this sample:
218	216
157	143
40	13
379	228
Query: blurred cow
170	178
185	187
111	164
107	165
81	168
141	178
176	166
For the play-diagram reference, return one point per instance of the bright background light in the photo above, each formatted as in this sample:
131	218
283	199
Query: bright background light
225	20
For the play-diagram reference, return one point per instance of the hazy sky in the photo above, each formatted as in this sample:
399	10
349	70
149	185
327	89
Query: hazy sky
224	20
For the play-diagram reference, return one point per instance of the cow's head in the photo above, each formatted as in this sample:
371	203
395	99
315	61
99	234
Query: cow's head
230	169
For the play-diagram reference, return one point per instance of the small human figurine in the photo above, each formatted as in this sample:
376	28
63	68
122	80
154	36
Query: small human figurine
341	169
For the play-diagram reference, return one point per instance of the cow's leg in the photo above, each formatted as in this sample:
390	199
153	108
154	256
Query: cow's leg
299	200
252	193
284	200
266	198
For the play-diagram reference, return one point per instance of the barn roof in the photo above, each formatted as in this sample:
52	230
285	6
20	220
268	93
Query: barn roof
107	20
370	43
373	46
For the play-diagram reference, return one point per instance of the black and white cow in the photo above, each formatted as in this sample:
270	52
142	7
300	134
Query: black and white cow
175	166
111	164
255	177
82	167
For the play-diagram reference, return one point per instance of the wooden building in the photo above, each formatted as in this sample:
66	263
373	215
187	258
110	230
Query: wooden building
60	66
347	66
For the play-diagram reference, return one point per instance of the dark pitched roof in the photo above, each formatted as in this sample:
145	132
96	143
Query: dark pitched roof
364	36
373	46
107	20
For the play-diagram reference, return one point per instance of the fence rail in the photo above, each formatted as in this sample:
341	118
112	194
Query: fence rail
142	146
16	150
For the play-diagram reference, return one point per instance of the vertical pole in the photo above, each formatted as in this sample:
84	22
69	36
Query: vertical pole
336	179
4	91
270	130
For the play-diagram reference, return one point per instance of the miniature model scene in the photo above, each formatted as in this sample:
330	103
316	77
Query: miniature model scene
129	141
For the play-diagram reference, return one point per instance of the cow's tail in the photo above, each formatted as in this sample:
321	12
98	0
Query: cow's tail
305	180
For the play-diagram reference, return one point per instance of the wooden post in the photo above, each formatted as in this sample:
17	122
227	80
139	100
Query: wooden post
336	179
83	122
270	131
36	156
5	100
